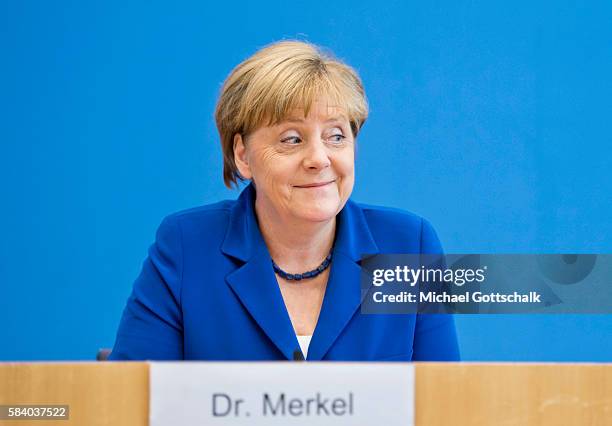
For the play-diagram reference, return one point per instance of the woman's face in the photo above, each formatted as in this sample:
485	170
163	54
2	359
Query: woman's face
303	168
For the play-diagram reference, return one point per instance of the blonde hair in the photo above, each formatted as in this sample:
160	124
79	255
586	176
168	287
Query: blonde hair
283	76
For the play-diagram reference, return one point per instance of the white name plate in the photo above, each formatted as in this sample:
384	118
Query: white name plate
281	393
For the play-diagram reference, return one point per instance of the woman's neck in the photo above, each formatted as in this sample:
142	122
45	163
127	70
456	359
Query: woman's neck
296	245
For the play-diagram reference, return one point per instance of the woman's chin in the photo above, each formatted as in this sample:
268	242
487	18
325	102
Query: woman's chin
318	214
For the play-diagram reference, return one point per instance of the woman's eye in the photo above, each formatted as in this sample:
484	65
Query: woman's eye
337	138
292	140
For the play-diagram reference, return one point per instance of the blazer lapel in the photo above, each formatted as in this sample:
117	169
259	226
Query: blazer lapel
256	287
343	295
254	282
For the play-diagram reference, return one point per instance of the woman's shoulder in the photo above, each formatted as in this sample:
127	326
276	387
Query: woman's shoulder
208	220
383	215
399	230
204	212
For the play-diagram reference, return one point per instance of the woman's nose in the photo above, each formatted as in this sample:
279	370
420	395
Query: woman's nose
317	156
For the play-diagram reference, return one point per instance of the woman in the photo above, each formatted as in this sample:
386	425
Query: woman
275	274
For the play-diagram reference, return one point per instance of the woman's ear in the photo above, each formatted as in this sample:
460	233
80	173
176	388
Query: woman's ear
241	157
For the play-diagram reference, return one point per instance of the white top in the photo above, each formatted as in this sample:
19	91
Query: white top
304	342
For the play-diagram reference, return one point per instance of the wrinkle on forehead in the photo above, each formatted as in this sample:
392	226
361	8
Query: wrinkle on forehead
327	113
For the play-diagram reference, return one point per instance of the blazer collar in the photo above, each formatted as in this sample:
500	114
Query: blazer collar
255	284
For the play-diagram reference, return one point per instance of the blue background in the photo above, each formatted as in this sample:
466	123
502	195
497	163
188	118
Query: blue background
491	120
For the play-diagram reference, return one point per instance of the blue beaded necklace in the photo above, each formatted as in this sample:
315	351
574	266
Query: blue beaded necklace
310	274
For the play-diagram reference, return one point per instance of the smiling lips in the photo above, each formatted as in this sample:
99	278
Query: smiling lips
315	185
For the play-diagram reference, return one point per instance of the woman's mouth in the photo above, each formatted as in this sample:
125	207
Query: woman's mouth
315	184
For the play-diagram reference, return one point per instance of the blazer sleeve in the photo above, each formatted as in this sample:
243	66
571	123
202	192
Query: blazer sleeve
435	337
151	326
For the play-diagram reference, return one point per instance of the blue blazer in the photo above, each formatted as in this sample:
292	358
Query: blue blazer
207	291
